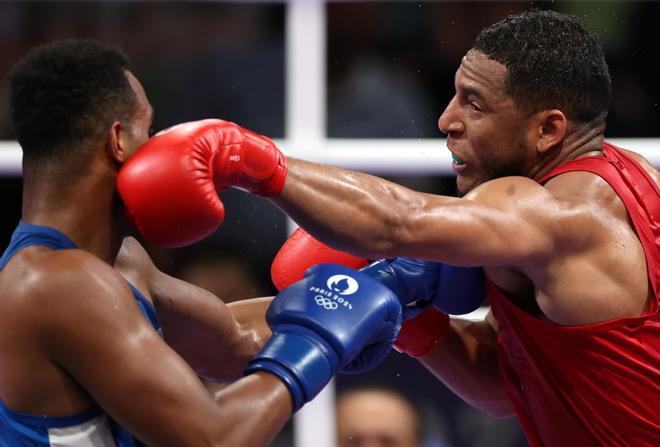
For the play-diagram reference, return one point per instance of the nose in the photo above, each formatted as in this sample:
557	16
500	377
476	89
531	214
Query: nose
449	123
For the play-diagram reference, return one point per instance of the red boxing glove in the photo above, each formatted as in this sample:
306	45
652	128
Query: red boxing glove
419	334
169	186
302	251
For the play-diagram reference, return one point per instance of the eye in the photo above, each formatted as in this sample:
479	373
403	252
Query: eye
474	106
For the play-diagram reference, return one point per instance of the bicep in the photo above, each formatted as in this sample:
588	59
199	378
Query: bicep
108	347
503	222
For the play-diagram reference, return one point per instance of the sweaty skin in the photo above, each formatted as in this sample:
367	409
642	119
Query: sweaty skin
75	335
565	251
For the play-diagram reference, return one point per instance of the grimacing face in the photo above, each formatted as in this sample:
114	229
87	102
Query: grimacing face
486	132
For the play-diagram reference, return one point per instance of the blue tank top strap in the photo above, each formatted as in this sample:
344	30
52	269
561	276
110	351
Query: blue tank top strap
26	235
146	308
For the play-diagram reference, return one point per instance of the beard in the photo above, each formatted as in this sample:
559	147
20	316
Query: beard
513	165
506	164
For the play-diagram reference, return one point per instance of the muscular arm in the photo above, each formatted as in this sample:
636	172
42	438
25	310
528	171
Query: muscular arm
503	222
466	361
250	314
216	340
92	328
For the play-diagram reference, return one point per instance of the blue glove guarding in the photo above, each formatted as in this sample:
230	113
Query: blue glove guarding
461	290
335	319
453	290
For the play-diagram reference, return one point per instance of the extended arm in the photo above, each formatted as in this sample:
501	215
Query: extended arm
509	221
498	223
216	340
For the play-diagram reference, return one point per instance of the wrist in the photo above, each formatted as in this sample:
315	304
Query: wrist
300	360
265	165
273	186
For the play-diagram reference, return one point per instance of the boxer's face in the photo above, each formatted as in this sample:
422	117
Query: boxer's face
486	132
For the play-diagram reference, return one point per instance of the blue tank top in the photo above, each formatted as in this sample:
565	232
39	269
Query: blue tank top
90	428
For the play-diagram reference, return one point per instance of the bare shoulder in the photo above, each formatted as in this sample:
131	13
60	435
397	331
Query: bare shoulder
54	288
71	274
513	191
558	212
645	164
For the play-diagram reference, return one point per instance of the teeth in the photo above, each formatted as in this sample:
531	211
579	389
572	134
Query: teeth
457	160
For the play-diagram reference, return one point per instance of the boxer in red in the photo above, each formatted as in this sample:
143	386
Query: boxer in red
565	225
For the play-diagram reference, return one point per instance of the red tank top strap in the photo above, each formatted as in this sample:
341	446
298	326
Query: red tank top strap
639	193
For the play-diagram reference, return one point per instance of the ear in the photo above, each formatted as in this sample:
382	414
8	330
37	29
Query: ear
117	143
552	126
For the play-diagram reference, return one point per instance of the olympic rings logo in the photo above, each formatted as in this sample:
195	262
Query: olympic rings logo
327	303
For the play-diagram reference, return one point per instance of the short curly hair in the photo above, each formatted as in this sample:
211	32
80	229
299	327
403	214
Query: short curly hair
553	61
65	95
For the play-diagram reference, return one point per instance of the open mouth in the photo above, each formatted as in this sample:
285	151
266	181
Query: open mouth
457	161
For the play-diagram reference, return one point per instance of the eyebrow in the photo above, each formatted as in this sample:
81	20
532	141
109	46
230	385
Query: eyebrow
468	90
471	91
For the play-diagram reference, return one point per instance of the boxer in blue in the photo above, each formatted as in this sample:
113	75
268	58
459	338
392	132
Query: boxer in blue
98	347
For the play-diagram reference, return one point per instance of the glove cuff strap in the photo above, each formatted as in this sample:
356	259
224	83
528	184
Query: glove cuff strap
303	363
274	185
419	335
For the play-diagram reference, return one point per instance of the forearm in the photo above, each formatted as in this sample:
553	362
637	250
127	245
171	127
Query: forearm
249	412
204	330
372	218
356	212
466	361
253	410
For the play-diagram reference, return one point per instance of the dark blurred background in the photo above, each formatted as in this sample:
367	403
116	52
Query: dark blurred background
390	68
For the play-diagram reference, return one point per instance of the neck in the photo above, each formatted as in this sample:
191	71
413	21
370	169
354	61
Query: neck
579	143
86	210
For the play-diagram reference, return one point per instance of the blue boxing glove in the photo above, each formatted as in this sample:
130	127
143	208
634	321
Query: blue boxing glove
335	319
460	290
413	280
451	289
418	284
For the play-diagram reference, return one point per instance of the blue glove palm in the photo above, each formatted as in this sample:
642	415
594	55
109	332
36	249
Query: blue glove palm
335	319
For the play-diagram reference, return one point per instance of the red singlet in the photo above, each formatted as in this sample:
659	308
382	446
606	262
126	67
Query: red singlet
597	384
